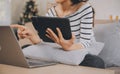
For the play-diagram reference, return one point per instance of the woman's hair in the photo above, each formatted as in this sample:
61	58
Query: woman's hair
78	1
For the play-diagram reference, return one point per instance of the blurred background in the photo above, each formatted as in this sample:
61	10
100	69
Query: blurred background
12	10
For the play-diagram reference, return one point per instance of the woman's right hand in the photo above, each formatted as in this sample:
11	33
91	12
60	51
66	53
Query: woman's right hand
24	32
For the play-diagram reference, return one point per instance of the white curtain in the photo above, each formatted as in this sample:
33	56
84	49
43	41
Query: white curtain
5	13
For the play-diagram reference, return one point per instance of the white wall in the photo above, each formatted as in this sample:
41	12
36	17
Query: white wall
5	14
103	8
17	7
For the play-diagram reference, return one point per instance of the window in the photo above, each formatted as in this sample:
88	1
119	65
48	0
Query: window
5	12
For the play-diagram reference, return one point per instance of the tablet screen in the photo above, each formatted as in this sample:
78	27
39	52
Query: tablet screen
42	23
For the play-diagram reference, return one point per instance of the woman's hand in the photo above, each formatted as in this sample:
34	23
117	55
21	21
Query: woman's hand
66	44
24	32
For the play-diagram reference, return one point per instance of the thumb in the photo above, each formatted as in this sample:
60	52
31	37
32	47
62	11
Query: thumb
73	37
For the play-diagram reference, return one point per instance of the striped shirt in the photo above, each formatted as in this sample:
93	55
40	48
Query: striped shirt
81	23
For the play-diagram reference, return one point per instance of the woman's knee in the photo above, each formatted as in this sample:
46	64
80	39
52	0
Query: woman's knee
98	63
93	61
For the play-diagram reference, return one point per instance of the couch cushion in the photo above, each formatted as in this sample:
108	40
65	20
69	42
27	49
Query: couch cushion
111	51
110	35
116	69
54	69
103	31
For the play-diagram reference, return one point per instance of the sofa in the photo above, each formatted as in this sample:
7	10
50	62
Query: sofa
109	33
102	31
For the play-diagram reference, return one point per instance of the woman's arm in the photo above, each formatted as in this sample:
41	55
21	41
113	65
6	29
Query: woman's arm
24	32
75	46
66	44
86	32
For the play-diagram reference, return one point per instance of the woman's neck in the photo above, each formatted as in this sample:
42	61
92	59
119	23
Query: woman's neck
65	6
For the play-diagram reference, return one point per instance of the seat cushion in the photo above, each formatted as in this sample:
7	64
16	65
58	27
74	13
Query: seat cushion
116	69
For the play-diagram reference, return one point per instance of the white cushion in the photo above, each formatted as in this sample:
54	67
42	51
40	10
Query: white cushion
95	48
52	52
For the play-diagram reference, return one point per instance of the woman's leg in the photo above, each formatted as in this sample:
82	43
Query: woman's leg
93	61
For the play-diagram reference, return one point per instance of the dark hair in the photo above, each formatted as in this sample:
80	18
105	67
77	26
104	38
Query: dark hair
78	1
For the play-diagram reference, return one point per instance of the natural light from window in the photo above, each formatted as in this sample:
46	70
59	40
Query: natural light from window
4	12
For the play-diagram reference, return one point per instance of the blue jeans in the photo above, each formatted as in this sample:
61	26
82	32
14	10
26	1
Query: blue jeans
92	61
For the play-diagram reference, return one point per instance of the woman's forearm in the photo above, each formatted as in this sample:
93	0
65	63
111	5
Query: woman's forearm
35	39
75	47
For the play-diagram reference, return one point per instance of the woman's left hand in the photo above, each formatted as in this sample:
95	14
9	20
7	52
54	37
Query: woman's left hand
66	44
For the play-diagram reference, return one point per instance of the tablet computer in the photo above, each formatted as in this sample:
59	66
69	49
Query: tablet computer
41	23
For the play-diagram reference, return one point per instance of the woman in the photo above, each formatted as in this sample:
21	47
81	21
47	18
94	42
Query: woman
81	16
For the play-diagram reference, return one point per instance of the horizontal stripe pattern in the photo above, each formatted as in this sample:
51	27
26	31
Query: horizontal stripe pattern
81	16
81	23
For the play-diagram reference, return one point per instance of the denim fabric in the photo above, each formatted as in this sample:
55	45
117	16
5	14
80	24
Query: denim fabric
92	61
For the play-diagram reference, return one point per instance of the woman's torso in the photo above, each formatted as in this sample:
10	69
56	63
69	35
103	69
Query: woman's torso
82	30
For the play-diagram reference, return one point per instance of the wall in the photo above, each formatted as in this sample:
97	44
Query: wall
17	7
103	8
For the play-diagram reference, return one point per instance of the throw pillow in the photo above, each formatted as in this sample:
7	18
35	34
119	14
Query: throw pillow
52	52
110	35
103	31
111	52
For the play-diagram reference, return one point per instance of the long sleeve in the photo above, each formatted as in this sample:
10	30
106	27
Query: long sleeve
81	23
86	28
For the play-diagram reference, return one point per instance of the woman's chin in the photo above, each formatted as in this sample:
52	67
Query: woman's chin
60	1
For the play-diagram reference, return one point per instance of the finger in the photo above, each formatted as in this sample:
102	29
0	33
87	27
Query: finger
18	26
56	41
22	37
59	33
19	32
52	34
25	36
73	38
48	33
49	37
22	33
25	33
